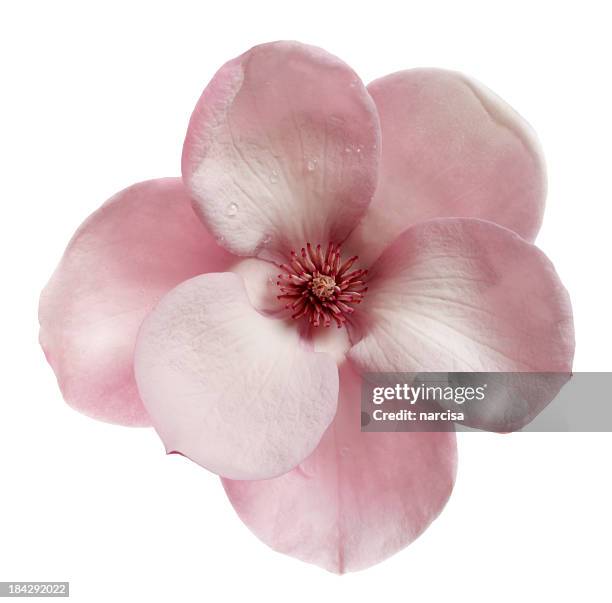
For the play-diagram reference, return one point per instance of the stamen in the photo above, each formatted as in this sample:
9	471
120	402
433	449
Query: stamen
317	285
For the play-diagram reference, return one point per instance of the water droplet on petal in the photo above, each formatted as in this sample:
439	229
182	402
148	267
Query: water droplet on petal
232	209
274	177
266	240
348	150
344	451
311	165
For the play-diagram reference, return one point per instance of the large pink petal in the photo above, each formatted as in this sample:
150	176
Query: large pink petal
125	256
359	498
451	148
282	149
466	295
233	390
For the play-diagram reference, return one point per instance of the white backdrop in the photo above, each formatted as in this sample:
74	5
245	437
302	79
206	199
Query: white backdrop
96	96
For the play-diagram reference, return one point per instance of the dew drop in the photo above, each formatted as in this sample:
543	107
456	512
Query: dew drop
266	240
348	150
274	177
232	209
344	451
311	165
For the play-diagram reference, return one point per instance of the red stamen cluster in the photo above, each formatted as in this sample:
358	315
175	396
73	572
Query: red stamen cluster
317	286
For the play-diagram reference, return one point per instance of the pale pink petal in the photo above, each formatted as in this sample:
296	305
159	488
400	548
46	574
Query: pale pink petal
359	498
282	149
235	391
260	278
466	295
123	258
451	148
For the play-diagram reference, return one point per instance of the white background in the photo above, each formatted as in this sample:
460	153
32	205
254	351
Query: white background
95	97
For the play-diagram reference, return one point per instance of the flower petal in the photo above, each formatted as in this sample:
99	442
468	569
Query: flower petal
233	390
282	148
451	148
359	498
466	295
260	278
123	258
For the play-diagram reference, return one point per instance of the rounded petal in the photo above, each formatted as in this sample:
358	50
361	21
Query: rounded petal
359	498
282	148
123	258
233	390
468	296
451	148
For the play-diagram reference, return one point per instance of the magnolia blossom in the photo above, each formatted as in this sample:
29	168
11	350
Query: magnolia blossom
321	229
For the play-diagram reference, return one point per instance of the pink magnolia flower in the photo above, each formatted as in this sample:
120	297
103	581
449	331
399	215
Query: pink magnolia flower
302	180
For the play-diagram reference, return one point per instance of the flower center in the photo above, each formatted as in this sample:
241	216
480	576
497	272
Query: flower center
323	286
318	286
